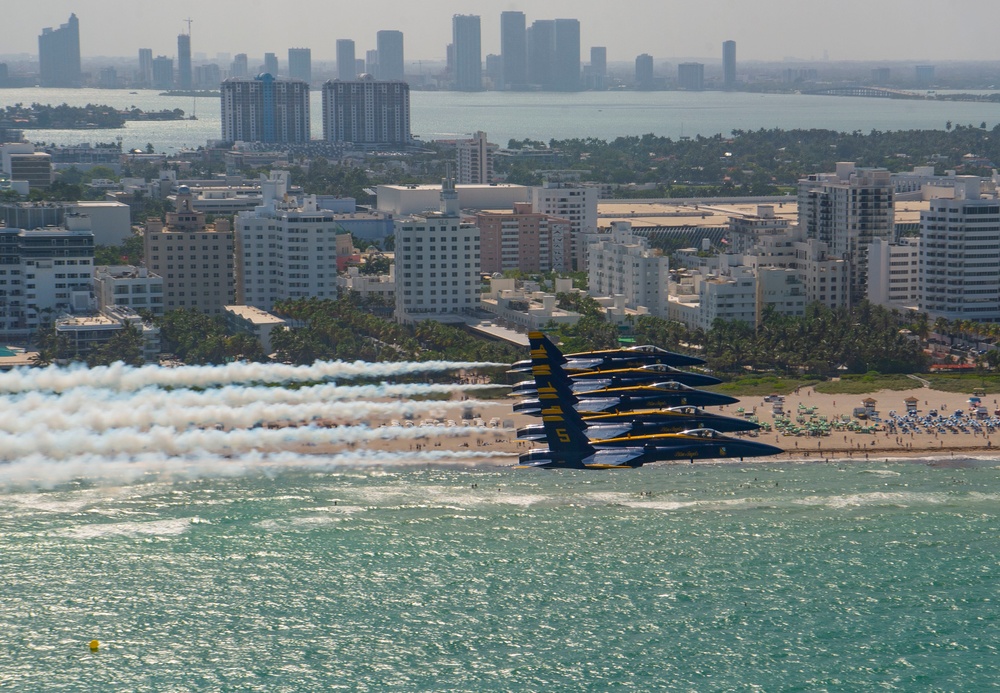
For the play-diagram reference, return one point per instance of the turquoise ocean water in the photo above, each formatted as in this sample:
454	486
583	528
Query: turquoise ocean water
707	577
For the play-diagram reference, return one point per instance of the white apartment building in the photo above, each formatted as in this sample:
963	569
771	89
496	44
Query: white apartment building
475	160
128	287
893	273
745	230
578	204
625	265
255	322
698	299
285	249
367	285
43	272
959	265
437	264
848	210
823	277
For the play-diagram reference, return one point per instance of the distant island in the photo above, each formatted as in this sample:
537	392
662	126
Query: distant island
90	117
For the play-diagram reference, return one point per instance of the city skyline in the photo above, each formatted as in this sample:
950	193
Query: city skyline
765	30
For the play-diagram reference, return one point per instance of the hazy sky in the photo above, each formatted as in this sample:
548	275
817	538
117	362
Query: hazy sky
763	29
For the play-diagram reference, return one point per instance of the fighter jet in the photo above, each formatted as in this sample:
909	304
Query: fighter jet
631	357
625	399
648	422
570	447
589	381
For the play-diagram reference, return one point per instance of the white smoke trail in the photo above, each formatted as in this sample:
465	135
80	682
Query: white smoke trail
66	444
143	415
41	472
120	377
84	399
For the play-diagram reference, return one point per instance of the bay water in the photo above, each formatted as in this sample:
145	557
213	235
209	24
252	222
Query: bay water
539	116
787	576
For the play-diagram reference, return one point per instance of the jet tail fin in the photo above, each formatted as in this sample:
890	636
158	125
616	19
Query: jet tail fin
546	366
564	427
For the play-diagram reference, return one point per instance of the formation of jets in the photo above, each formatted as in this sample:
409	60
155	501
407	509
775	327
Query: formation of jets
623	408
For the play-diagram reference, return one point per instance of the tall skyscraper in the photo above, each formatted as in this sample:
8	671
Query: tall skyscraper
729	64
345	60
541	37
265	109
59	55
163	72
566	65
691	76
366	111
240	66
300	64
184	61
145	76
514	50
644	71
371	63
271	64
466	38
598	67
389	44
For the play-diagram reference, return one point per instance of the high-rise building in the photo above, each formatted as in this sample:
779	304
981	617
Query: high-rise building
448	286
625	265
523	240
163	72
475	160
541	36
59	55
468	52
208	76
285	249
848	210
195	259
924	75
576	203
729	64
957	271
389	44
366	111
265	109
345	60
691	76
240	67
598	73
145	76
566	60
371	63
644	71
300	64
271	64
514	50
184	61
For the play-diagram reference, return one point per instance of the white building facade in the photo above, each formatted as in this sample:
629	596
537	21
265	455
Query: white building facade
437	264
285	249
959	266
625	265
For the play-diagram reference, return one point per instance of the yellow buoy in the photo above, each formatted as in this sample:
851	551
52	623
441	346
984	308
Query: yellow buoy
94	645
